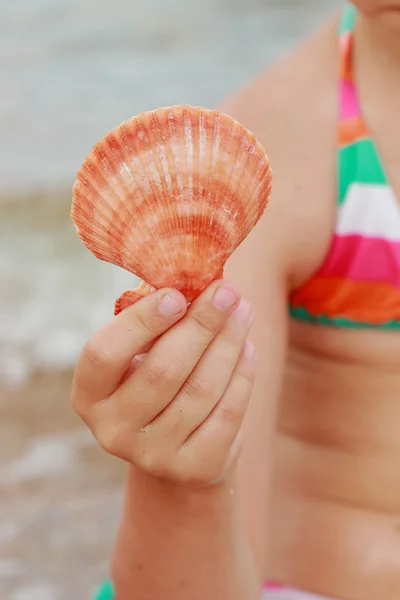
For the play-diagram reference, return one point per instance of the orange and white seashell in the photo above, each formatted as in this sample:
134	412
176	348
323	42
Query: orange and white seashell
169	195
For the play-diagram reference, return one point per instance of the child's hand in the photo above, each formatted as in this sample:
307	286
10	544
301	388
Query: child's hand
176	413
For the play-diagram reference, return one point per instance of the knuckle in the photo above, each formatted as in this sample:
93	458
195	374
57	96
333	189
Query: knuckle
231	412
152	462
95	351
247	370
187	476
208	323
144	322
193	480
109	438
233	335
162	371
195	387
195	475
77	403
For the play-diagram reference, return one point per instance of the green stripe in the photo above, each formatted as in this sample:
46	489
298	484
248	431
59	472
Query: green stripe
359	163
302	314
106	592
348	19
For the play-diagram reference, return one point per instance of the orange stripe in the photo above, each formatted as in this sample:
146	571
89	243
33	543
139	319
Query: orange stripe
346	70
351	130
335	297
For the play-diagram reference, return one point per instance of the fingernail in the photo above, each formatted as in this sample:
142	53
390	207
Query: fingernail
249	350
168	306
244	312
224	298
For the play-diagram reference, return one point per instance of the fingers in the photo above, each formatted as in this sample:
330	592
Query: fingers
155	383
108	354
208	381
215	439
166	387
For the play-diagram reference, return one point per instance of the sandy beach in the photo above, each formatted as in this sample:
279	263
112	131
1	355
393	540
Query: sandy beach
59	496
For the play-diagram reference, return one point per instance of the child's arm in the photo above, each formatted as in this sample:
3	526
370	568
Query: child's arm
182	544
262	277
175	417
195	544
215	542
191	544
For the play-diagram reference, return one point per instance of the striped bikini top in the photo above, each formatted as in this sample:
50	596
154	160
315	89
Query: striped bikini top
358	284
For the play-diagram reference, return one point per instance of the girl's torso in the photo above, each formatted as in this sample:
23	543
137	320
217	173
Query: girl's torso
336	509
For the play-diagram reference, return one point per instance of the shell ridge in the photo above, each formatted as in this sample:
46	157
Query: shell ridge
176	169
111	193
128	249
102	220
160	203
115	145
128	142
140	159
176	181
227	201
200	167
222	223
82	229
216	143
188	250
211	126
261	180
170	216
181	248
197	207
131	296
248	207
169	223
97	190
146	225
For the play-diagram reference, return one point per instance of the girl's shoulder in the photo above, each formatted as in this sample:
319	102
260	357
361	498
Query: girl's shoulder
292	108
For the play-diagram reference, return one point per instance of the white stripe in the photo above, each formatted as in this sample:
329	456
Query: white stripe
369	210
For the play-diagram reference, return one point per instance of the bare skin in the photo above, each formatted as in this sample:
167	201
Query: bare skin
315	490
165	387
335	512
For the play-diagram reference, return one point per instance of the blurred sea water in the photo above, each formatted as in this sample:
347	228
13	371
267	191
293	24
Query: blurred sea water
69	71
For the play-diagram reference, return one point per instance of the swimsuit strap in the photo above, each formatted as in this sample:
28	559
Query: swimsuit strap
354	157
348	96
348	19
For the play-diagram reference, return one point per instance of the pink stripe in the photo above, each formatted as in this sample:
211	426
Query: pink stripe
274	586
360	258
349	100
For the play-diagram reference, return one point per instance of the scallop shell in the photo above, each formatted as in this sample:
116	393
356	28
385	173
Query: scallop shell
169	195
